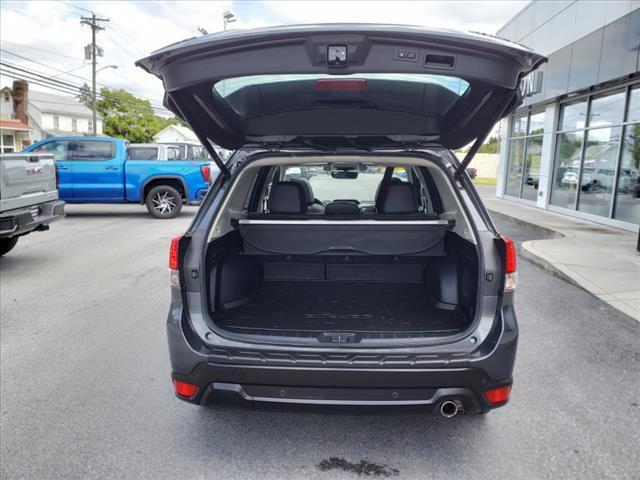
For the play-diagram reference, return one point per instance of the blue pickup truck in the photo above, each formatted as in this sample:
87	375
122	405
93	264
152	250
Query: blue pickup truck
97	170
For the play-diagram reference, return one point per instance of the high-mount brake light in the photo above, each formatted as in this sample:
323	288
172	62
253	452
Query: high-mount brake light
174	260
341	85
510	273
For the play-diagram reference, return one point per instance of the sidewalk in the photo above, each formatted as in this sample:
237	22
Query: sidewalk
602	260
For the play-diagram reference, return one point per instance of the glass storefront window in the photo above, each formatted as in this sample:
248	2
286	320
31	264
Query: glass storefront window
627	205
519	127
532	168
633	111
599	170
567	168
536	124
525	146
606	110
514	172
573	116
596	163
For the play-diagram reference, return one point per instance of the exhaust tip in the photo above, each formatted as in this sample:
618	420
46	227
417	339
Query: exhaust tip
450	408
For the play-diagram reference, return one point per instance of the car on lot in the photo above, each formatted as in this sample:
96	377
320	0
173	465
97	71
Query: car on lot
96	170
28	196
472	172
153	151
383	283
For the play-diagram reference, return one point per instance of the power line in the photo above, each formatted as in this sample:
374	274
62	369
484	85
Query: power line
69	74
39	79
39	49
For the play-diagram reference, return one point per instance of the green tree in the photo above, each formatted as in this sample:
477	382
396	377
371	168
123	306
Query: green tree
491	146
86	96
126	116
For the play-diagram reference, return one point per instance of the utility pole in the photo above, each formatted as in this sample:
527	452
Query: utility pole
93	22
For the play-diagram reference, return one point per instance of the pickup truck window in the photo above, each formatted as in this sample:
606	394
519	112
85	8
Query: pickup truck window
92	150
143	153
173	153
59	149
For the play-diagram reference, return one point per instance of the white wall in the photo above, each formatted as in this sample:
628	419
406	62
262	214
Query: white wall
65	123
548	25
170	135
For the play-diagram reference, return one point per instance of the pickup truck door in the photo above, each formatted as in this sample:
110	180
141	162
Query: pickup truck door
98	171
60	151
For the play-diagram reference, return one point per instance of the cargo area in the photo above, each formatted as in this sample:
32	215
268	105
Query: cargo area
357	296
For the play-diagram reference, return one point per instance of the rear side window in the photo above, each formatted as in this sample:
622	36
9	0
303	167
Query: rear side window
92	150
143	153
173	153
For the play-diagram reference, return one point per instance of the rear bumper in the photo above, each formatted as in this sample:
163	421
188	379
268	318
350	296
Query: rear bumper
24	220
379	390
388	380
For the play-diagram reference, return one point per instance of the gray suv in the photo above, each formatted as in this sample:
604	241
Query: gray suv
378	281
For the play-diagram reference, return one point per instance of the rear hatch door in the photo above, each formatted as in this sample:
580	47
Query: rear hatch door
371	85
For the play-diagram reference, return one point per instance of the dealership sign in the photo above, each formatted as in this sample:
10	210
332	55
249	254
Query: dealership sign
531	84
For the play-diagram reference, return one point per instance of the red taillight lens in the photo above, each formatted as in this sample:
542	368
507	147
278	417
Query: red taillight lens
185	389
510	264
341	85
206	173
498	395
173	252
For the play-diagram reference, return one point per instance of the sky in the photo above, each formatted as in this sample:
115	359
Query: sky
46	36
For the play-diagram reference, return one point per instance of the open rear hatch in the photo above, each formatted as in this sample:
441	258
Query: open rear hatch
365	85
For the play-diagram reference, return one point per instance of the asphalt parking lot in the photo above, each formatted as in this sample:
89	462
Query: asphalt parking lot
85	389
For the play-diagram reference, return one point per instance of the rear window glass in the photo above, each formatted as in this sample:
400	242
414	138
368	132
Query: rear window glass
257	95
330	183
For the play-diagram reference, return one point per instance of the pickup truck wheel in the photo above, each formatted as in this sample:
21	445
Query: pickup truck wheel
164	201
6	244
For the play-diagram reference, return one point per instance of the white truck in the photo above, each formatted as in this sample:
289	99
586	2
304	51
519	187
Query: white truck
28	196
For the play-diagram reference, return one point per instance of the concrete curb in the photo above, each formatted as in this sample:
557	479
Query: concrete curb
530	253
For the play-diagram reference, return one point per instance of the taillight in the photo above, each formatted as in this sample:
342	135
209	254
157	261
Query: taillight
206	173
511	276
184	389
174	264
498	395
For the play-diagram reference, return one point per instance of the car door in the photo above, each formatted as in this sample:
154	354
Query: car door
352	84
60	151
98	171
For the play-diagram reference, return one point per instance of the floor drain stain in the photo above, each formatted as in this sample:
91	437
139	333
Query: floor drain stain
363	467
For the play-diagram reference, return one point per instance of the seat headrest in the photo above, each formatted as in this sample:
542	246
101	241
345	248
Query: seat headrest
287	198
400	198
306	186
342	208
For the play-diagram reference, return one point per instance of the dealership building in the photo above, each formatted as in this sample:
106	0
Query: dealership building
574	146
